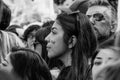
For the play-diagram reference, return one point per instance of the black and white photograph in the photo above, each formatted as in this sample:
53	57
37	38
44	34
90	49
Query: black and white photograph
59	39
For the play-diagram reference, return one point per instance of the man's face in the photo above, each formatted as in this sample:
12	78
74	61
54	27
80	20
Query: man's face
100	16
31	40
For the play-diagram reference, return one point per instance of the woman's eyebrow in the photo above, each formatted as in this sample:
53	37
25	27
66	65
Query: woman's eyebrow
53	28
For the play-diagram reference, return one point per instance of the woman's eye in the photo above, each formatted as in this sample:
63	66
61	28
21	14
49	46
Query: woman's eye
53	32
97	63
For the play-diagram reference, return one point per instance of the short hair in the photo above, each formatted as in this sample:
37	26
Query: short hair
4	75
5	16
29	30
7	41
12	28
112	72
29	65
104	3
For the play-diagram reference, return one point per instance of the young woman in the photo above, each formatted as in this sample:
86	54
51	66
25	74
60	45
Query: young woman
104	57
25	64
72	41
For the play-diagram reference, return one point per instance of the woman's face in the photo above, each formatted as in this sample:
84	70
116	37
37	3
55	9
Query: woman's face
6	64
56	46
104	57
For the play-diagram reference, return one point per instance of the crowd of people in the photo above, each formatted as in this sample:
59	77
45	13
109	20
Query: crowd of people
82	43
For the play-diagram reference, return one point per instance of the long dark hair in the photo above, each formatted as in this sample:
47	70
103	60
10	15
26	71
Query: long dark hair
29	65
5	15
4	75
78	24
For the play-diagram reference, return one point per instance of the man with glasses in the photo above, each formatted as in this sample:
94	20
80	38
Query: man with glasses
103	17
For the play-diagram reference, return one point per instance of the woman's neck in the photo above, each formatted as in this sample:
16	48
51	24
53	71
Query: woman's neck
66	58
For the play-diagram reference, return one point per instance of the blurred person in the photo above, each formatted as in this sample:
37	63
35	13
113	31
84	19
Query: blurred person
18	30
104	18
104	57
62	4
29	35
7	41
26	64
5	15
109	71
57	4
117	40
72	41
113	71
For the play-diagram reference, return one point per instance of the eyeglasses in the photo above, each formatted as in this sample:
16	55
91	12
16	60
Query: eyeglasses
97	16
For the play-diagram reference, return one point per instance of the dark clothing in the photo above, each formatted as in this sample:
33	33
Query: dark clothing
65	74
109	42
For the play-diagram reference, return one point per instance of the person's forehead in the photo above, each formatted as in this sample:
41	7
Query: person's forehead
106	53
98	9
57	25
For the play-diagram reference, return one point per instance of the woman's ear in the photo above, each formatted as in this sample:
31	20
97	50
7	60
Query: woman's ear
72	42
